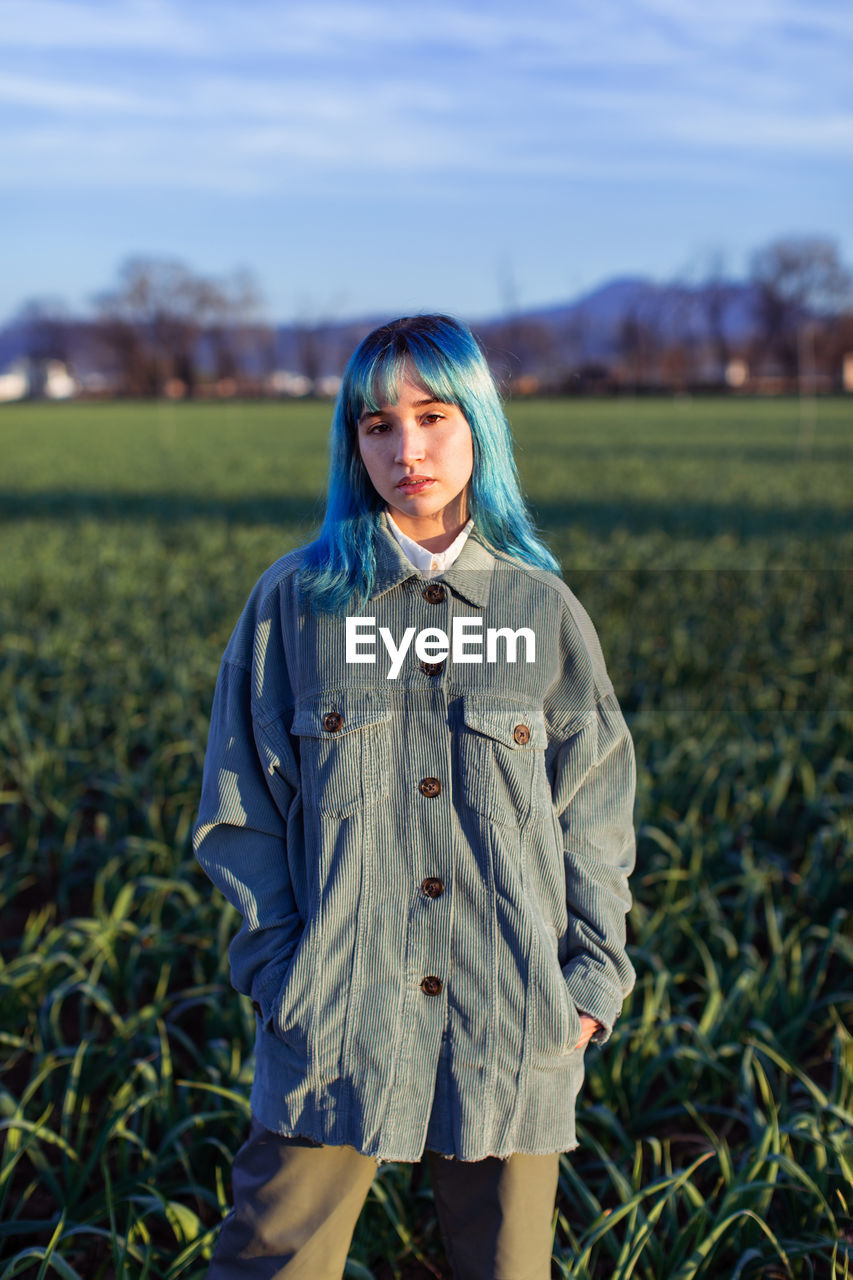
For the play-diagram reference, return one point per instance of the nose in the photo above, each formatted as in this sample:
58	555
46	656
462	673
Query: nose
410	445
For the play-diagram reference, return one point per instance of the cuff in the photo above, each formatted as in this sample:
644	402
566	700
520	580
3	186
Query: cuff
593	994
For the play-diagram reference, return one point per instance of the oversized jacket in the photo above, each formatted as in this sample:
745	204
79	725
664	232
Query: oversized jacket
431	867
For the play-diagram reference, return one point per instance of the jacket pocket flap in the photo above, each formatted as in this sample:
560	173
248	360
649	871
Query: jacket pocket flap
337	712
516	724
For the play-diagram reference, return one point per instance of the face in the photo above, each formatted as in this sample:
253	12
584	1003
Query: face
419	455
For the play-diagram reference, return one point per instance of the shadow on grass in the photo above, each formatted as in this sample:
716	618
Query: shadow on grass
166	508
693	519
599	518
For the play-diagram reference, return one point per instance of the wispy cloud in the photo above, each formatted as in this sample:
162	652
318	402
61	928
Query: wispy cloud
72	97
615	32
131	25
419	105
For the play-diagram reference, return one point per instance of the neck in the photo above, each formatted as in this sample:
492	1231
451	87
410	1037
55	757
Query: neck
435	533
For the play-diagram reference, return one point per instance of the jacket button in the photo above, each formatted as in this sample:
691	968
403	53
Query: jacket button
435	593
433	887
332	722
431	986
429	787
256	1007
432	668
521	733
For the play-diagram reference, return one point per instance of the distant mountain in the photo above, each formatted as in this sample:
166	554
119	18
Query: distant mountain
592	326
606	304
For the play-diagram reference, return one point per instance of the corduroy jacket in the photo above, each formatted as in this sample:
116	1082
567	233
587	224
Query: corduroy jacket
431	866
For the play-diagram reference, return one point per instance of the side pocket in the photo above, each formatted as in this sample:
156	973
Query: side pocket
557	1025
292	1009
573	1019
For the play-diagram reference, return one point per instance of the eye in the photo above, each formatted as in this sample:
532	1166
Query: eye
377	428
433	417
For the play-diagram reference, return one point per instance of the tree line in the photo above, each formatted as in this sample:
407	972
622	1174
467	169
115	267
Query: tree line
165	330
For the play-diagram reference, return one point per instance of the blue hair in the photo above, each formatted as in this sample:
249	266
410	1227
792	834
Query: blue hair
341	563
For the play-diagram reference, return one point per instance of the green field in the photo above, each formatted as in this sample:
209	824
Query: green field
712	543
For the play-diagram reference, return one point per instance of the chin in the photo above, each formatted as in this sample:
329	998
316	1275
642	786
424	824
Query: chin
417	505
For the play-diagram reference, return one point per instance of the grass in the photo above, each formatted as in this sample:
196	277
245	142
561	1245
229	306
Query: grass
711	543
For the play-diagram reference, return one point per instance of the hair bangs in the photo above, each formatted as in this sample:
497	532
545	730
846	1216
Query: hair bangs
375	380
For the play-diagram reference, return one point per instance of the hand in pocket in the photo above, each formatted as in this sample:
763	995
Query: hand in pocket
589	1026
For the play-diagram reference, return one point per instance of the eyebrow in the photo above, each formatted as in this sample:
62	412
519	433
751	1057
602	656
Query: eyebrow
418	404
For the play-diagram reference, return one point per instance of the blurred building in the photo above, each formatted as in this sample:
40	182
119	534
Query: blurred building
31	379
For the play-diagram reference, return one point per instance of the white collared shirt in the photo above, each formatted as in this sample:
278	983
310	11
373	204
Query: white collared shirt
430	562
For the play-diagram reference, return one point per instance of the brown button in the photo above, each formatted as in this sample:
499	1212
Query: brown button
432	668
429	786
431	986
521	733
332	722
433	887
435	593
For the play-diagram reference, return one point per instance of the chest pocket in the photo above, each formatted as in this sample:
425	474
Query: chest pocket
502	758
345	753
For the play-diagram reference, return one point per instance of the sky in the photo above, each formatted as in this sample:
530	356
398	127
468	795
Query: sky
369	159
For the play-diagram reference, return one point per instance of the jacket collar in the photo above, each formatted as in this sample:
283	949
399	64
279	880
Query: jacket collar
470	575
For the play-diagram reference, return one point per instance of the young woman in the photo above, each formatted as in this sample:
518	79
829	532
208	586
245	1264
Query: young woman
418	793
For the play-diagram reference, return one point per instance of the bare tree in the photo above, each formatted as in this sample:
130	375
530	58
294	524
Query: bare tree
154	321
310	339
508	335
638	343
714	296
700	346
681	339
237	335
573	334
314	339
157	313
796	279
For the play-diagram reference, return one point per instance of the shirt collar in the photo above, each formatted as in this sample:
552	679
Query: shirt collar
470	575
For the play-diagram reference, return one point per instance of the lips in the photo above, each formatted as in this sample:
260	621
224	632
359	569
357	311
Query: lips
415	484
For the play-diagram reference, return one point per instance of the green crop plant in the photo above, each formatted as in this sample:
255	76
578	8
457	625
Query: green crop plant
713	553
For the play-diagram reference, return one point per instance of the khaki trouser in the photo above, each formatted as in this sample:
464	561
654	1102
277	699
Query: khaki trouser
296	1205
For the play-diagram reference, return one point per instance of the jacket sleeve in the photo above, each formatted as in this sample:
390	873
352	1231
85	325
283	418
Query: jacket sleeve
593	792
240	838
593	781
